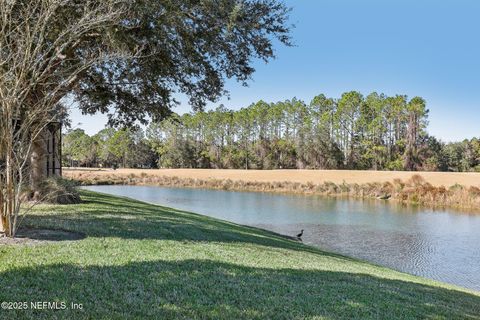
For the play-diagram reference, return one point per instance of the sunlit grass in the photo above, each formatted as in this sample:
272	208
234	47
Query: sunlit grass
145	261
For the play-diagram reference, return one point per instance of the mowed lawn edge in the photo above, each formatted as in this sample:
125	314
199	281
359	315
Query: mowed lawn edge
140	260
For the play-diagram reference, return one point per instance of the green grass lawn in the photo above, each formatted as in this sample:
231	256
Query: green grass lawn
144	261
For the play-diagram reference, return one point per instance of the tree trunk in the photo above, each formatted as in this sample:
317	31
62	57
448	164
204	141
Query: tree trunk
3	217
8	202
411	150
4	225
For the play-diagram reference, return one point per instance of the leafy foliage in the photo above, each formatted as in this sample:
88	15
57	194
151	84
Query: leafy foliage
186	47
109	147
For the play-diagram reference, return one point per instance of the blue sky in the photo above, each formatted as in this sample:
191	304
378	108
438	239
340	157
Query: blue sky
425	48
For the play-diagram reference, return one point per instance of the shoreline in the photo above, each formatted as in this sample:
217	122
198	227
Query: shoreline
414	191
294	239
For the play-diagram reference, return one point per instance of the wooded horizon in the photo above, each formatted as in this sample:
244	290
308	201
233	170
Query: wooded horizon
352	132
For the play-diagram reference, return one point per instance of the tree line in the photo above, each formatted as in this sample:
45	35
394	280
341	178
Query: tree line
376	132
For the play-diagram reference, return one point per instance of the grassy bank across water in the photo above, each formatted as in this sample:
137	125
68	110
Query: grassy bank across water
139	260
414	189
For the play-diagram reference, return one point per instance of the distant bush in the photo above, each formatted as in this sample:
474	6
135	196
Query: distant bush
395	165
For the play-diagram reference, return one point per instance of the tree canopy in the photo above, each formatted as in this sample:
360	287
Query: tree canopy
151	51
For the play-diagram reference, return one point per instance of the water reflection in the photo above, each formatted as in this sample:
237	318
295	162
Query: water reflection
441	245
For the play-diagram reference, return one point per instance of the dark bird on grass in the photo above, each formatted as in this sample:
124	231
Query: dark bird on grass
299	236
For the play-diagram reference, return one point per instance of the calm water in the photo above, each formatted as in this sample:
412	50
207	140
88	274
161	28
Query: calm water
441	245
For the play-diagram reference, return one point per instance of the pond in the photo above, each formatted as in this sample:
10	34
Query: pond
442	245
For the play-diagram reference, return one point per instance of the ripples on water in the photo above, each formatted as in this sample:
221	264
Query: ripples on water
440	245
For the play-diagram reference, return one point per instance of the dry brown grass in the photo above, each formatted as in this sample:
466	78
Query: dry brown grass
446	179
458	190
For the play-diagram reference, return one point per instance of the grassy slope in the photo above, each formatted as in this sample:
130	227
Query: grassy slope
146	261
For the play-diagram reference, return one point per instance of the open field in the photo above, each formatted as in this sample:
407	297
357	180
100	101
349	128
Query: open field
138	260
437	179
